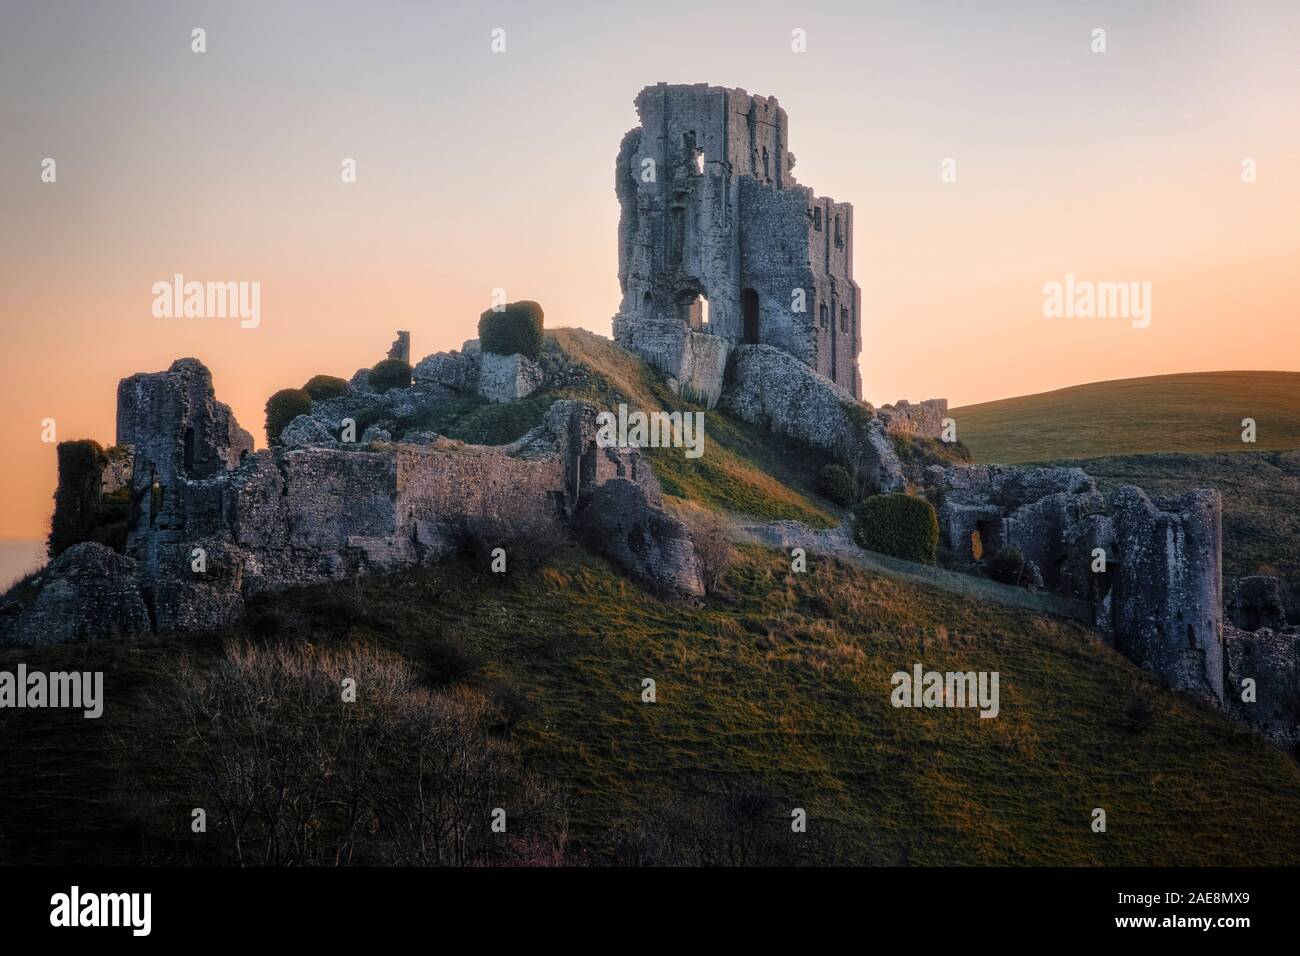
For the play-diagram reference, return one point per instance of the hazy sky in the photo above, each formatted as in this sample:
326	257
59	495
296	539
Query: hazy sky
479	170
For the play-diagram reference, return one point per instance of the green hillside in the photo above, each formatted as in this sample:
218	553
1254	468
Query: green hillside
1197	412
774	696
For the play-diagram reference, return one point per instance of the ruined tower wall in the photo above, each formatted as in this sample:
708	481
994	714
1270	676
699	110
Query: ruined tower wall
1168	596
710	207
774	260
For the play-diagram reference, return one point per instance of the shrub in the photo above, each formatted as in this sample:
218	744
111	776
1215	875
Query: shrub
711	537
516	328
404	775
903	526
323	387
282	408
1006	565
835	483
390	373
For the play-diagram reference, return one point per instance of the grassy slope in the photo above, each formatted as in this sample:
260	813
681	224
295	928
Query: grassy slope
782	682
1196	412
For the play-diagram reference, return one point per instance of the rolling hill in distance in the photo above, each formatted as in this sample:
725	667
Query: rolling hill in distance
1195	412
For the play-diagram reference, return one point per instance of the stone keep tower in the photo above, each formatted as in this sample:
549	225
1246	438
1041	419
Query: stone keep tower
710	213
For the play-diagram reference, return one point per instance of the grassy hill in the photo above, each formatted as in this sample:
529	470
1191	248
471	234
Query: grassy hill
777	691
775	695
1193	413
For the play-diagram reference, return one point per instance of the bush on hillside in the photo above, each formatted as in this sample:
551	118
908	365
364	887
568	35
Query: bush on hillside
516	328
390	373
903	526
527	542
324	387
1006	565
282	408
835	482
711	538
368	782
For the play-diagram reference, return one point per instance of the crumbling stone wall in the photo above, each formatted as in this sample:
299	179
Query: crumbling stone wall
1270	660
1256	601
924	419
1159	596
215	523
401	347
709	209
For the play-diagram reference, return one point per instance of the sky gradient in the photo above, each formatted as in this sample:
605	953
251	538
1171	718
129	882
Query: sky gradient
479	170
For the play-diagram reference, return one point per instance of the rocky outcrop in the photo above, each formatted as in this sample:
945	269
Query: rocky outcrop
89	592
621	521
773	389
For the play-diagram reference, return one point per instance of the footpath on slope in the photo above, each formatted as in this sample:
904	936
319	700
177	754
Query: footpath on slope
838	542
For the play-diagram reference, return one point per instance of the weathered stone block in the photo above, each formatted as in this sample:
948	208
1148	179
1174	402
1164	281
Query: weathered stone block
646	541
508	378
88	592
773	389
454	370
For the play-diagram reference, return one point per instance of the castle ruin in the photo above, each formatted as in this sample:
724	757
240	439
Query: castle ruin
718	246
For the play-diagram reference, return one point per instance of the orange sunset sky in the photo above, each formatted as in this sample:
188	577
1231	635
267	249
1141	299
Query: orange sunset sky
479	170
